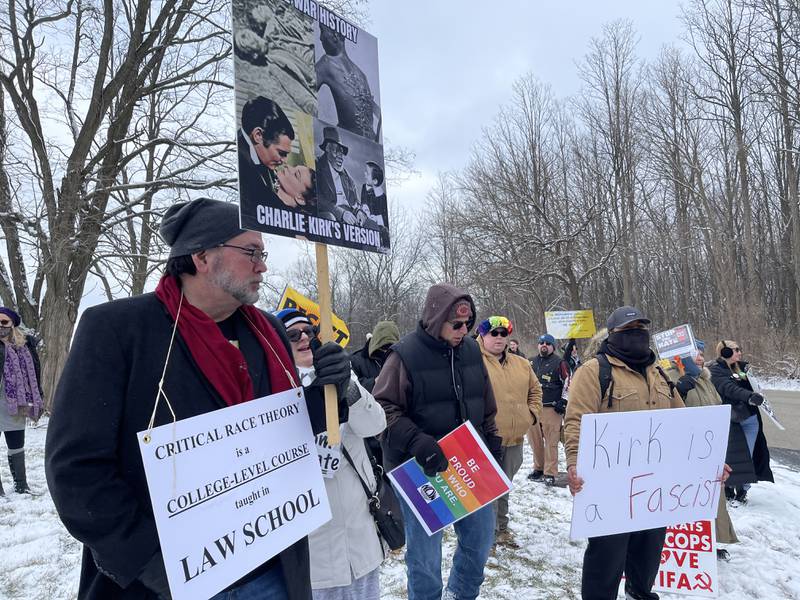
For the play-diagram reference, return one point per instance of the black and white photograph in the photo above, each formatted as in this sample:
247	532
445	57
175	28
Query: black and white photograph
347	80
274	54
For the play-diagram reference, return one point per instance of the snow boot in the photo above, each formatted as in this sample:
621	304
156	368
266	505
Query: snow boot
535	475
16	462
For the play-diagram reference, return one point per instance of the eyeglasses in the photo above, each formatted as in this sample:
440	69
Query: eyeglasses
457	325
294	335
256	255
500	332
5	323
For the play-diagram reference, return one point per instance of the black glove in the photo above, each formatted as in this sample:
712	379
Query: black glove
495	445
560	406
684	384
429	455
331	366
154	577
756	399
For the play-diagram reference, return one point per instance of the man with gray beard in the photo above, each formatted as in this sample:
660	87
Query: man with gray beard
200	337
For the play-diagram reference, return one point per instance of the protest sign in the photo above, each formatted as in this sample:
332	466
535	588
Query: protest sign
242	481
649	468
570	324
473	479
309	125
689	560
678	341
765	407
291	298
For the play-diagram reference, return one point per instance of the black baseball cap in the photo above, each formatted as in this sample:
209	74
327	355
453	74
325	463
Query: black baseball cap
624	315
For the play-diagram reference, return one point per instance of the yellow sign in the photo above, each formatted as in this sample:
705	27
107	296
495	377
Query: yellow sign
570	324
291	298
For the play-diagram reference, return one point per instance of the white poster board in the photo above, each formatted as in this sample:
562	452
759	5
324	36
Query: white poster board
649	468
689	561
241	481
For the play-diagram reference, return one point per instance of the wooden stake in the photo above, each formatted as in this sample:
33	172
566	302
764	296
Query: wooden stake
326	335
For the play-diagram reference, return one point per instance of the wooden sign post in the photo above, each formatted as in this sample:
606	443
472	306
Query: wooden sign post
326	335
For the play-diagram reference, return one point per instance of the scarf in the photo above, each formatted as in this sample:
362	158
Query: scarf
21	386
635	354
220	361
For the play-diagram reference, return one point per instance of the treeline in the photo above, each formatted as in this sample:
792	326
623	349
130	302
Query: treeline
670	184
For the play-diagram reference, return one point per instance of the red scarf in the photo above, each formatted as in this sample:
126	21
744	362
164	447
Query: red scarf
221	362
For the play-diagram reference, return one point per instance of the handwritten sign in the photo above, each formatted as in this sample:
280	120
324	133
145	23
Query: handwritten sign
473	479
291	298
689	560
649	468
242	481
570	324
678	341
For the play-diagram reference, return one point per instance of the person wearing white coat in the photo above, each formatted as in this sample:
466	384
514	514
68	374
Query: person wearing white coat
346	552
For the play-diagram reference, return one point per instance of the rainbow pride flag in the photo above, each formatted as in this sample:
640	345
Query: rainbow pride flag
473	479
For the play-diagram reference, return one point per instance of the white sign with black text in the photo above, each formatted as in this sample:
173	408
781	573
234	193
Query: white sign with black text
232	488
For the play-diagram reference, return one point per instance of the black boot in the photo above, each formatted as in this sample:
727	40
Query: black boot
16	462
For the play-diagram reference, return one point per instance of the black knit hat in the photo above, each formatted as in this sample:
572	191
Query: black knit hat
190	227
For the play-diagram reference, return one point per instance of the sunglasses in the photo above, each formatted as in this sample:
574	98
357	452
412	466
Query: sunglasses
5	323
545	344
294	335
457	325
500	332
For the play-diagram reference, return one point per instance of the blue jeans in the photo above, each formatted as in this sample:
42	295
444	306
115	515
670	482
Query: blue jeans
475	535
269	586
750	429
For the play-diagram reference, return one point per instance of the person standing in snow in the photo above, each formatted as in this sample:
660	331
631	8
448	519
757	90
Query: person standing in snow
433	381
368	361
346	552
519	405
20	393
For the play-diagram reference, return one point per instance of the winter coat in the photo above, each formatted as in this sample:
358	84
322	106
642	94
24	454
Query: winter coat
630	392
92	460
551	372
348	547
736	391
517	393
367	361
428	387
704	394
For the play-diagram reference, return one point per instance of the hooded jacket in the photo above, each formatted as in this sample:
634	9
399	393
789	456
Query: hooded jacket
517	393
368	361
428	387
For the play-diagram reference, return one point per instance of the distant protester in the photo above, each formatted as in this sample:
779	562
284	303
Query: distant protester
20	393
368	360
748	453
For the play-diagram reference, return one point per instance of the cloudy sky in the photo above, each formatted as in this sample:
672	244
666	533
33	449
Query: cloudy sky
447	66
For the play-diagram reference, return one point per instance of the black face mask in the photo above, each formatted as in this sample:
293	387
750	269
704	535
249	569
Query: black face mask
633	343
5	332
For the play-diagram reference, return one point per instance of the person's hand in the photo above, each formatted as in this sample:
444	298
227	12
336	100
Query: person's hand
756	399
331	366
495	445
349	217
429	455
685	384
726	472
560	406
574	482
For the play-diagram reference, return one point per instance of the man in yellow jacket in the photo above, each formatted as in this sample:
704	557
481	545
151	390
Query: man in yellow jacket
519	403
636	383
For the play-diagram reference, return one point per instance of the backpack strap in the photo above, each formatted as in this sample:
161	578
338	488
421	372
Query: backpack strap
672	386
605	378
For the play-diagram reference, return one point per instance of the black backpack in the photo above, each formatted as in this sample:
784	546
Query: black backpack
607	381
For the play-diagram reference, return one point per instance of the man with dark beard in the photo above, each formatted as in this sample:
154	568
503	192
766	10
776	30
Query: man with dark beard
636	384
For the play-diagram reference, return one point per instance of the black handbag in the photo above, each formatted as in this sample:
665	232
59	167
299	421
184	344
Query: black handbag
382	503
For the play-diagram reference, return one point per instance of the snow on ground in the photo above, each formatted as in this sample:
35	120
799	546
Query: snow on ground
40	561
780	383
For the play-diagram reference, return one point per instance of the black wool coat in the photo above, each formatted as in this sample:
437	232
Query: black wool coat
93	465
736	392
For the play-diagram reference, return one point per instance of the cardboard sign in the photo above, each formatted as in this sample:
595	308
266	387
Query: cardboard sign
689	561
678	341
291	298
649	468
473	479
309	125
570	324
232	488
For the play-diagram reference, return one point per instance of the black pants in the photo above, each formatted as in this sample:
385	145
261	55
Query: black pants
15	439
637	553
